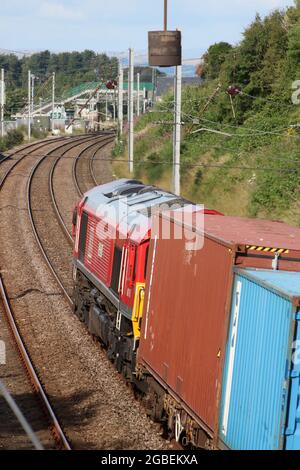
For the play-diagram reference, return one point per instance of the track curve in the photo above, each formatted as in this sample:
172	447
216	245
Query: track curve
95	406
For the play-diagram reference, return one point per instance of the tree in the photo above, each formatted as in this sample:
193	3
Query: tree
72	69
214	58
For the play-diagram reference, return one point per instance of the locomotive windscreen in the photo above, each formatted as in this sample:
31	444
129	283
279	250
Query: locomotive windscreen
82	237
116	269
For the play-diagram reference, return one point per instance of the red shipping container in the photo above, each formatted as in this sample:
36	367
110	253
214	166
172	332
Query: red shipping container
188	294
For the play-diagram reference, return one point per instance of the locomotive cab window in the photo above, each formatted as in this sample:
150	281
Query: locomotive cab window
116	269
82	236
146	261
135	266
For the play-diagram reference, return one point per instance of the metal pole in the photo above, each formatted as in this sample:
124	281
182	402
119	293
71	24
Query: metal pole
29	105
106	106
2	102
177	132
93	110
98	118
131	123
128	95
138	95
153	85
120	96
32	93
166	15
144	100
53	99
115	103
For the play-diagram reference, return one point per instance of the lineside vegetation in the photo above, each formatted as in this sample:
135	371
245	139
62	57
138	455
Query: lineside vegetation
241	132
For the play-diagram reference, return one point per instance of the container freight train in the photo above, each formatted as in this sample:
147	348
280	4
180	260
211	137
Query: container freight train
206	325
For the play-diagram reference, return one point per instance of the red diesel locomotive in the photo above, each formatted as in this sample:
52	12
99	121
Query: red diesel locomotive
112	229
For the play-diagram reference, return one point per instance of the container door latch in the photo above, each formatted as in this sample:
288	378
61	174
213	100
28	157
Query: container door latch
275	262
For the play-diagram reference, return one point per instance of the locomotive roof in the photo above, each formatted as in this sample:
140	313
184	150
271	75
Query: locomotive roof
128	205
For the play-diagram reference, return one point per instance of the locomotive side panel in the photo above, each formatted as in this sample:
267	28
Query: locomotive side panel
99	249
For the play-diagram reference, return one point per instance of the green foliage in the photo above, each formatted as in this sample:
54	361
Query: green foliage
12	139
214	58
71	68
245	160
146	73
119	148
38	133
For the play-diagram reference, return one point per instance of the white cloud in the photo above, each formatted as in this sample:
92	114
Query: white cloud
60	11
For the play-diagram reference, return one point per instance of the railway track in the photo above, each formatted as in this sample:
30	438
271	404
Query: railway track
88	161
10	161
37	408
96	408
60	266
83	172
45	417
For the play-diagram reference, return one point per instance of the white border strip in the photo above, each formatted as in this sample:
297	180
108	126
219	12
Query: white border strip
233	340
150	287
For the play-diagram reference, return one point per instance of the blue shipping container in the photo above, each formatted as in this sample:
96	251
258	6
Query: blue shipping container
261	394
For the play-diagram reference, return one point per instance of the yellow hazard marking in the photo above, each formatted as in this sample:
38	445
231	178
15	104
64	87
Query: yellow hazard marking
137	311
281	251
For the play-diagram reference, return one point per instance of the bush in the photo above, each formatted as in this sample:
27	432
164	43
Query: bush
13	138
119	148
39	134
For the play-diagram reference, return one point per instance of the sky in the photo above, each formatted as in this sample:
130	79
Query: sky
101	25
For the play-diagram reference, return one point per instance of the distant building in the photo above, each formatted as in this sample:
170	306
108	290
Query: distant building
59	113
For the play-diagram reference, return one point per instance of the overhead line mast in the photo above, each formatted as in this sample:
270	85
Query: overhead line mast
29	105
138	95
53	99
166	15
2	101
130	113
120	97
165	51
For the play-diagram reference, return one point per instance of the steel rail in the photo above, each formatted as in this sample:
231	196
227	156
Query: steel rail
110	138
91	165
53	198
34	228
16	162
55	427
56	210
31	216
36	235
39	144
